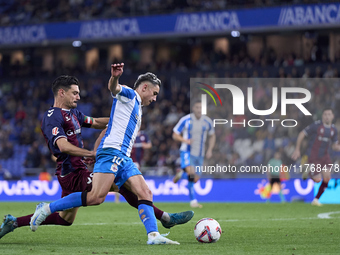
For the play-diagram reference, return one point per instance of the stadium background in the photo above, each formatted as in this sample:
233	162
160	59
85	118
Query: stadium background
177	40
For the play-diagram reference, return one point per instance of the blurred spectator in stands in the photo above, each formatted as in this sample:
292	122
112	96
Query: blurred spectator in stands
7	150
5	174
33	157
44	175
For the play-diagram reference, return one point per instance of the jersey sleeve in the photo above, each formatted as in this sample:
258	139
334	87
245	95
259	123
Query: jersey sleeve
125	95
84	121
180	126
52	127
312	128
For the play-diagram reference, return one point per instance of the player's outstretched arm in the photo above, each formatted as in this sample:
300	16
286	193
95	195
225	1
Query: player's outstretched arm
296	154
116	72
66	147
99	139
100	123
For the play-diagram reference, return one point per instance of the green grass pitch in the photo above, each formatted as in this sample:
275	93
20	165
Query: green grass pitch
110	228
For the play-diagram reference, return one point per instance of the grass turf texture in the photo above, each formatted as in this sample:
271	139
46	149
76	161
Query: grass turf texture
247	229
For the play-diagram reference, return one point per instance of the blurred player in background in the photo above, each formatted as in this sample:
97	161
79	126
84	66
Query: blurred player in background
142	143
192	131
321	134
61	127
274	169
113	164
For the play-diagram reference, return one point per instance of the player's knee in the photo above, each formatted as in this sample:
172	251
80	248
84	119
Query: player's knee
146	194
326	180
317	180
95	200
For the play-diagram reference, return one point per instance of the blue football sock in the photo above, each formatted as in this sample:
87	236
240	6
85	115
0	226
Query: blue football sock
68	202
184	175
147	216
282	197
191	190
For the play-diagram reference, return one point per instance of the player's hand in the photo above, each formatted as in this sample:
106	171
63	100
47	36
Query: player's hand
89	161
208	155
117	70
296	154
188	141
93	155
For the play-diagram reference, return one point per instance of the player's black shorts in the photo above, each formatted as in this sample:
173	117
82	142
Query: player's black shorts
275	180
77	181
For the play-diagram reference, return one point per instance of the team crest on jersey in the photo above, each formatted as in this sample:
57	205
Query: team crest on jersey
114	168
55	131
321	130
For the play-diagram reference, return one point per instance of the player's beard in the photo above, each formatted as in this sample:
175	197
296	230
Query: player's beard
74	105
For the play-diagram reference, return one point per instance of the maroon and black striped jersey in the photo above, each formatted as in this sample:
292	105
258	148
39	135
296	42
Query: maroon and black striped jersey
58	123
320	137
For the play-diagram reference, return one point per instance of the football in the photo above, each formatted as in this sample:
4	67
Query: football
207	230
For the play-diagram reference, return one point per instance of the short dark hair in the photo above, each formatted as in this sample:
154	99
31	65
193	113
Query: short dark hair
327	109
196	101
150	77
63	82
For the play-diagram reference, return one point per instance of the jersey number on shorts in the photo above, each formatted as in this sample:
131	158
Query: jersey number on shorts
117	160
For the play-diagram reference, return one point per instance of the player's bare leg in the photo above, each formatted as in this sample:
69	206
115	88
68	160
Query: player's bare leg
192	178
69	215
146	211
326	176
101	185
178	175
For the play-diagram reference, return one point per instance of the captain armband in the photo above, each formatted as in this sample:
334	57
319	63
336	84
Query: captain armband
88	121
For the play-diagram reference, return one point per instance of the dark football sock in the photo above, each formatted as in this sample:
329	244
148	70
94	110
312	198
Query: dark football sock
53	219
322	188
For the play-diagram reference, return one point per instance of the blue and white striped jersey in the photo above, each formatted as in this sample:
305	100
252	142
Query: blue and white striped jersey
197	130
125	121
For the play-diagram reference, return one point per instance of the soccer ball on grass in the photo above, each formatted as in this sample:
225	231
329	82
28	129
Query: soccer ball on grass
207	230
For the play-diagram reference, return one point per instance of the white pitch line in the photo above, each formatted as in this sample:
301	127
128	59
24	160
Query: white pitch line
285	219
327	215
106	223
321	216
